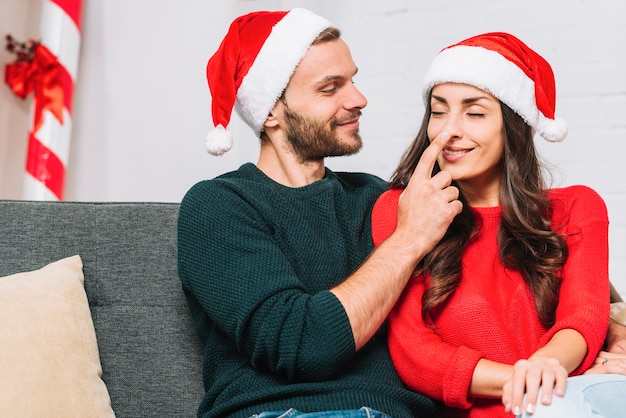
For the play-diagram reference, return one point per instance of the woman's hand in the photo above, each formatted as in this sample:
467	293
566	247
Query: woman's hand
527	378
613	361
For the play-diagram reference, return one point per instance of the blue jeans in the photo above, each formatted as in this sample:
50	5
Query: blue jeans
595	395
364	412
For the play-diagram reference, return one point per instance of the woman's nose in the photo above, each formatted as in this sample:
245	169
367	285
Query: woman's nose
453	126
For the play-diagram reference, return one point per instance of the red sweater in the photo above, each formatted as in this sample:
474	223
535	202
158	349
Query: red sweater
492	313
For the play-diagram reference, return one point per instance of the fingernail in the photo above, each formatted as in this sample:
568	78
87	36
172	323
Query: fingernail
530	408
517	411
444	134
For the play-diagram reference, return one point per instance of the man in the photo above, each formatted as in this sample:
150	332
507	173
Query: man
272	256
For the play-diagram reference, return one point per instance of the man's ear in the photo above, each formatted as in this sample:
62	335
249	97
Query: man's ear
271	121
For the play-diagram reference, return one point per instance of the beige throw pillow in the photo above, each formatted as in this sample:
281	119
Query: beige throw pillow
49	361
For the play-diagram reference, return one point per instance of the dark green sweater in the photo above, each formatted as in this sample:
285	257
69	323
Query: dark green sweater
256	260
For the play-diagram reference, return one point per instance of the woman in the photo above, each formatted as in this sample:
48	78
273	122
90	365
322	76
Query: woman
513	299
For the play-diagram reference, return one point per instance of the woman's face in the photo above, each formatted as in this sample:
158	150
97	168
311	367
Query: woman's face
473	119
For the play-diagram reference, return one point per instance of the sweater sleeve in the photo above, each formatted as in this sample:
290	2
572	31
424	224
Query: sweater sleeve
580	214
385	216
233	269
424	362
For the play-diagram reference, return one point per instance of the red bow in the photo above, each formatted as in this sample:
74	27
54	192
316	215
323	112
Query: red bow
38	73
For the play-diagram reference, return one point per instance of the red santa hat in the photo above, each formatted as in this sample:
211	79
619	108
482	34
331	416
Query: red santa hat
253	65
504	66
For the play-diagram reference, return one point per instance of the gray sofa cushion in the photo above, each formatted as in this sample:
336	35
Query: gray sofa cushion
150	354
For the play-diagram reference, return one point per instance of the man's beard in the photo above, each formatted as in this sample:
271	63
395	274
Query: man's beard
312	140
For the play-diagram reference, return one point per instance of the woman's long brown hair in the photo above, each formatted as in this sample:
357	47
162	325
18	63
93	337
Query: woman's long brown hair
526	240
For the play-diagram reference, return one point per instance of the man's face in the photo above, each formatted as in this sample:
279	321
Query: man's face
321	107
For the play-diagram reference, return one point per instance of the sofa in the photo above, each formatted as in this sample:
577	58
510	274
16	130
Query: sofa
149	353
148	356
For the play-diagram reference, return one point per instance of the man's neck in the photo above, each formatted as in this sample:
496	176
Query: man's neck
284	168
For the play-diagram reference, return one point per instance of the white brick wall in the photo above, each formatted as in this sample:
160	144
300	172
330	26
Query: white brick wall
142	106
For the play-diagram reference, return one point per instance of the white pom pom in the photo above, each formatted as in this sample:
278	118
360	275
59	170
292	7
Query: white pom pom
552	130
218	141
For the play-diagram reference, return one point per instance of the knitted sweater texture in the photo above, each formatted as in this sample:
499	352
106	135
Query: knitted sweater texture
256	260
492	312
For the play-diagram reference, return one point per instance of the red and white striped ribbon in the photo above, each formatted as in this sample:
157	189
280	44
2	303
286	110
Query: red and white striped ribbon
49	146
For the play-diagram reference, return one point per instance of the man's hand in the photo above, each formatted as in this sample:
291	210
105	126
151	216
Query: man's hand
427	207
429	203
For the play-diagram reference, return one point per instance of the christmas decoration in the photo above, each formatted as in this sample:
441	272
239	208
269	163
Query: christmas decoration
47	69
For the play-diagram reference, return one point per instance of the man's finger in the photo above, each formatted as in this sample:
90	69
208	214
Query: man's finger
428	159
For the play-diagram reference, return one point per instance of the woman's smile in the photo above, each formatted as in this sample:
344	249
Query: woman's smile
454	153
